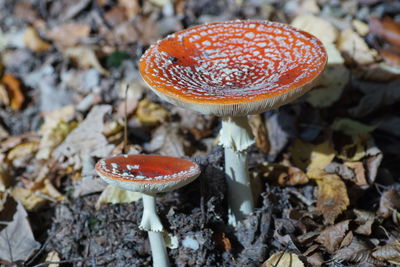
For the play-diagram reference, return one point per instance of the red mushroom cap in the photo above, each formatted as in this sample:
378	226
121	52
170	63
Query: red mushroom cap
234	67
147	173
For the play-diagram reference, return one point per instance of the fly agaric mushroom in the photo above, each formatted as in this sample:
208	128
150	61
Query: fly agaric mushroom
149	174
233	69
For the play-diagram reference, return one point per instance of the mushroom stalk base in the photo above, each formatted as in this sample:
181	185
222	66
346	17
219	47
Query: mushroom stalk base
236	137
158	249
152	224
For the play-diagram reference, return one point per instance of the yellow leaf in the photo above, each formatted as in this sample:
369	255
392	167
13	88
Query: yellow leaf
311	157
283	259
284	175
150	114
354	151
52	256
33	41
321	155
30	200
26	149
114	195
54	130
332	196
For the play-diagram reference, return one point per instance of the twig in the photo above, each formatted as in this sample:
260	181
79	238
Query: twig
42	248
125	148
281	256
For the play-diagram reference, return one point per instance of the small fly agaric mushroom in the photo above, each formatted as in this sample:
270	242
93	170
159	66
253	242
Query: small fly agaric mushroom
233	69
149	174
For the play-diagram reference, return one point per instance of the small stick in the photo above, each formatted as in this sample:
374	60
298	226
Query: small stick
125	147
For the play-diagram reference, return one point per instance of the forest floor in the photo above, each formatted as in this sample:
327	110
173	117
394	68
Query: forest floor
325	169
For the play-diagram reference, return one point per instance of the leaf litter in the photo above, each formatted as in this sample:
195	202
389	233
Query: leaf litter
325	166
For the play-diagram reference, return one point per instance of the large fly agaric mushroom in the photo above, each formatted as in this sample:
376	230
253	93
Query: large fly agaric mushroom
149	174
233	69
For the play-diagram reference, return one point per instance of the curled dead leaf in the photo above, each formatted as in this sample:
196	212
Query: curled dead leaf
390	201
85	57
284	175
114	195
13	87
68	34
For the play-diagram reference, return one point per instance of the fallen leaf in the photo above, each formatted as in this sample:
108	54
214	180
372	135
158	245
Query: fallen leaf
358	251
132	7
354	47
13	87
390	56
52	256
33	41
55	128
150	114
26	11
222	241
332	236
376	95
84	57
283	259
364	219
284	175
372	160
114	195
332	197
359	171
360	27
168	140
390	201
321	155
30	199
342	170
351	127
85	140
260	133
68	34
389	252
17	242
5	179
115	15
355	149
388	28
22	153
320	28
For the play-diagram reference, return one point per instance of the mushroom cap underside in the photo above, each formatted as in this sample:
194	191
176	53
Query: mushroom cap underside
234	67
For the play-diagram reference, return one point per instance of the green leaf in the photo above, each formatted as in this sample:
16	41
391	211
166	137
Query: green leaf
116	58
352	127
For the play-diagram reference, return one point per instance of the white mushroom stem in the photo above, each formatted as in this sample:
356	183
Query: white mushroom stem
236	137
152	224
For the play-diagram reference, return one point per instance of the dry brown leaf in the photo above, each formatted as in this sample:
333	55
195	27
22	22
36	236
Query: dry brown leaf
13	87
388	28
331	237
26	11
283	259
359	171
17	242
390	201
84	57
358	251
68	34
332	196
260	133
150	114
33	41
168	140
364	219
354	47
5	179
389	252
284	175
